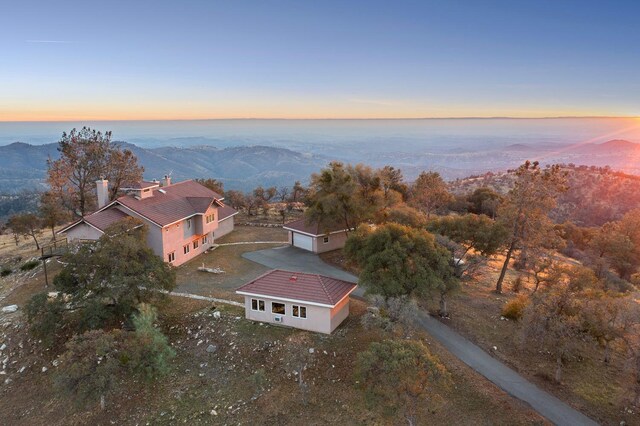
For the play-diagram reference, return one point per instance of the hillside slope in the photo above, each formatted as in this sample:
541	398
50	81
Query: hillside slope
596	195
24	166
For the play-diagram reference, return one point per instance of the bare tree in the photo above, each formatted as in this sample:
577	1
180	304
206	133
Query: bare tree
27	225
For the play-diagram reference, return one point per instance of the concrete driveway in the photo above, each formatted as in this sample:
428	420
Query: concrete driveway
294	259
556	411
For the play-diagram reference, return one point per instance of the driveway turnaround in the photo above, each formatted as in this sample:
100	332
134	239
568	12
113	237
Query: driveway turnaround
547	405
297	260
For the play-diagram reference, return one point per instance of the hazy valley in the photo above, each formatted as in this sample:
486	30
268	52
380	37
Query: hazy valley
23	166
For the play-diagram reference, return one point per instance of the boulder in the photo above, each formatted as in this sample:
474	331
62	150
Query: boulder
10	308
212	349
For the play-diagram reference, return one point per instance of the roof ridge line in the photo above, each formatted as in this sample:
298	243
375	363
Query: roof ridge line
324	288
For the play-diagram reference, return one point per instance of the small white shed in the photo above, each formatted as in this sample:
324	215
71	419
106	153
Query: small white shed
306	301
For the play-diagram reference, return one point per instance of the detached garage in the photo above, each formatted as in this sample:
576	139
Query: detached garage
306	301
311	237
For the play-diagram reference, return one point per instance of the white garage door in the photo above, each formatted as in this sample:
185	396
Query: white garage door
302	241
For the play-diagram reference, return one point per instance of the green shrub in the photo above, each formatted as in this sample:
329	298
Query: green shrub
98	363
27	266
90	369
399	375
5	271
148	352
46	319
514	309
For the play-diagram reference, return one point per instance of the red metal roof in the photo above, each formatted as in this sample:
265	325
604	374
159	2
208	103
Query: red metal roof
139	185
299	286
312	228
172	203
225	212
105	218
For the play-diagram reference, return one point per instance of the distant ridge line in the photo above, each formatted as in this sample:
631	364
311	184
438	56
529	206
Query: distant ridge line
560	117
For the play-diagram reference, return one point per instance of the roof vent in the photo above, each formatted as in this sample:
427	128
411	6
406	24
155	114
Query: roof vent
162	191
293	278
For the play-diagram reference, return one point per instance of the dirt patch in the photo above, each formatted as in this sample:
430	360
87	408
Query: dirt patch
337	258
253	371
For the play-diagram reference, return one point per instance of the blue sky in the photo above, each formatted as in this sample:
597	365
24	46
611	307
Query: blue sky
294	59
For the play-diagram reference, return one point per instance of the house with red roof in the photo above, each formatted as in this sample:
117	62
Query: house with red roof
295	299
183	219
315	237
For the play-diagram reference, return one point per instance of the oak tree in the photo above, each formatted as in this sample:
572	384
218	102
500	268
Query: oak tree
398	261
429	193
26	225
85	156
525	211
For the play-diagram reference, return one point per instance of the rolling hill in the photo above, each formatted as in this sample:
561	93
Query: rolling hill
24	166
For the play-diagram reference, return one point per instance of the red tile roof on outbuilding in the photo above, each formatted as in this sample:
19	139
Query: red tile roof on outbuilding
298	286
312	228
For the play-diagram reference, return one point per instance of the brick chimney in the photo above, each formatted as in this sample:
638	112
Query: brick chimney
166	181
102	191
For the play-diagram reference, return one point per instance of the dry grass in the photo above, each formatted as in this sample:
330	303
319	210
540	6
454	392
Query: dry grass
251	379
229	258
227	380
19	286
589	385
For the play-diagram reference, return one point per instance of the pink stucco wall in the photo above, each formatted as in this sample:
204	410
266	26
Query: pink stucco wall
319	319
177	235
336	241
83	231
168	239
225	227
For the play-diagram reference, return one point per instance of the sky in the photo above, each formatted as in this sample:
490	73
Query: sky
133	60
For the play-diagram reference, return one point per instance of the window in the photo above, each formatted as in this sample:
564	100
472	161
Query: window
185	249
195	244
257	305
325	240
188	223
210	218
204	240
172	256
277	308
299	311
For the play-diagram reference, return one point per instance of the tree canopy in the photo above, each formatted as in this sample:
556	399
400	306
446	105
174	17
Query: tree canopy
332	198
525	211
104	282
618	244
86	156
429	192
25	225
472	232
400	261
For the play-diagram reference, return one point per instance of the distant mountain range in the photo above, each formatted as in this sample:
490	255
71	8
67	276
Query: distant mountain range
23	166
612	147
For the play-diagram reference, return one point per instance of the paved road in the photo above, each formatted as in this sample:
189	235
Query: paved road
556	411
